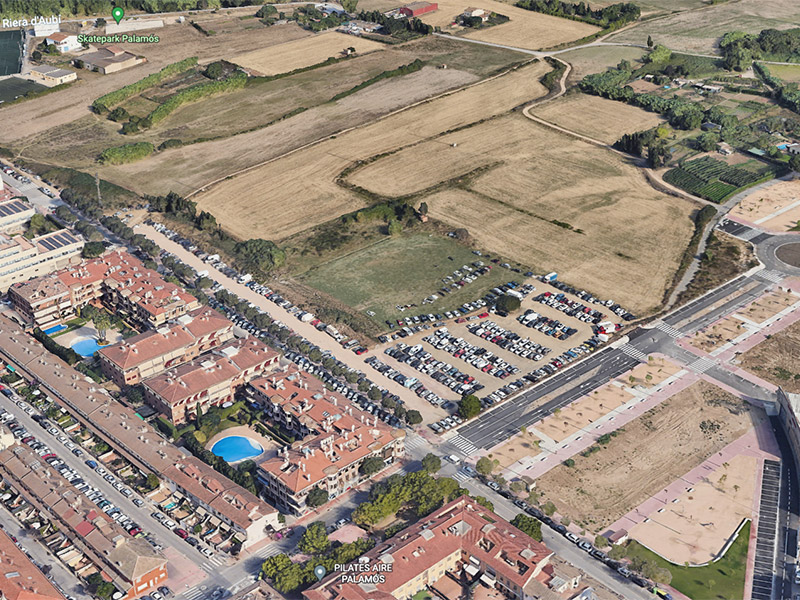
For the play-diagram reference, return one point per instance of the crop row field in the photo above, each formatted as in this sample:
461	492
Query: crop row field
714	179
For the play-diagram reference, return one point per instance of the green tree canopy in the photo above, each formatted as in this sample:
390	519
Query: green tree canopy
371	465
316	497
413	417
263	254
93	249
315	539
431	463
529	525
508	303
469	406
484	466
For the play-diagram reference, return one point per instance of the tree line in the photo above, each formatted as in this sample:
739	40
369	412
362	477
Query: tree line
609	17
396	27
104	103
740	49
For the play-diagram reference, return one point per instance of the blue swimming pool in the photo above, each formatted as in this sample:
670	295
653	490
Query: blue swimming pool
236	447
54	329
86	348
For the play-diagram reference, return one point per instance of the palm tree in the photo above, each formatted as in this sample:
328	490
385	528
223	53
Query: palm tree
101	323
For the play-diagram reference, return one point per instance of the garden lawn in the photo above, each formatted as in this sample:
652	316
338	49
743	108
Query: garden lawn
722	580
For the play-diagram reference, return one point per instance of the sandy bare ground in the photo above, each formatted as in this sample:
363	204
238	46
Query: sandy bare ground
763	205
695	528
650	452
255	203
525	29
777	359
176	43
596	117
595	59
699	30
535	176
582	413
651	373
302	53
768	306
718	334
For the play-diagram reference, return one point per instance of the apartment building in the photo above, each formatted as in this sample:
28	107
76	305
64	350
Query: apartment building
130	563
14	212
153	352
462	538
44	301
333	439
22	259
20	579
213	378
135	440
120	282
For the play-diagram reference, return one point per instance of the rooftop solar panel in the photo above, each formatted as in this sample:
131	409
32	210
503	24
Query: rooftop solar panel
47	244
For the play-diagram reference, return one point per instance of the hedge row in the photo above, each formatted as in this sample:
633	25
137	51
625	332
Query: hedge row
191	94
411	67
104	103
127	153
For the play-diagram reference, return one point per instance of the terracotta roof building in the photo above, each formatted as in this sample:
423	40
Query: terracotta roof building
130	563
462	537
20	579
117	280
334	438
134	439
211	379
153	352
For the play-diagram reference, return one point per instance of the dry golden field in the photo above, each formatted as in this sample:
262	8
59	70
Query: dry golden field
176	43
525	29
699	30
626	239
596	117
302	53
255	202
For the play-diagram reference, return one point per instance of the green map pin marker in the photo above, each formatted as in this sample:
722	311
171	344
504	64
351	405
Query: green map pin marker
117	13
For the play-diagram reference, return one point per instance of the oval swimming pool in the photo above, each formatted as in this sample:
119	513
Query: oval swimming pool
86	347
235	448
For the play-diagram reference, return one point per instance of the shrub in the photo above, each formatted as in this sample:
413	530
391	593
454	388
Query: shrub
126	153
104	103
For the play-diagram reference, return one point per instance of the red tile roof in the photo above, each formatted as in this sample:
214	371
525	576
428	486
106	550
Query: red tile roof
20	579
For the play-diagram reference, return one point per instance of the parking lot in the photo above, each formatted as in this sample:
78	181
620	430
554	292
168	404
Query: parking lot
515	340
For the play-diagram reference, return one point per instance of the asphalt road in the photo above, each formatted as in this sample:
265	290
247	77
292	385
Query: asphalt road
500	423
31	190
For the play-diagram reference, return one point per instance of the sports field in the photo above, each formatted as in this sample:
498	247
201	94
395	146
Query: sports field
550	201
596	117
14	87
604	486
401	270
699	30
302	53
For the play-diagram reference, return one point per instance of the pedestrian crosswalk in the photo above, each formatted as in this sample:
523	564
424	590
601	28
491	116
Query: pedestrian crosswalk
634	352
414	441
193	593
702	364
267	551
461	476
749	234
772	276
669	329
212	565
463	445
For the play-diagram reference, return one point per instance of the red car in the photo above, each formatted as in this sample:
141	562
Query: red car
361	350
483	315
134	531
181	533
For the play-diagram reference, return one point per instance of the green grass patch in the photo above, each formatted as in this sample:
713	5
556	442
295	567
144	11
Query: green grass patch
403	270
721	580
